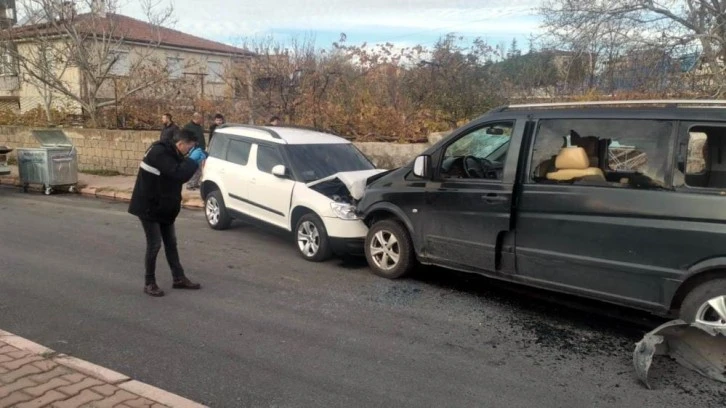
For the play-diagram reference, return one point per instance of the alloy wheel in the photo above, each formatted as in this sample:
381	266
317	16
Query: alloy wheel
385	250
212	210
308	239
713	313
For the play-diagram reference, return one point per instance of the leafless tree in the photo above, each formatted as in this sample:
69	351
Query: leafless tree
611	28
74	50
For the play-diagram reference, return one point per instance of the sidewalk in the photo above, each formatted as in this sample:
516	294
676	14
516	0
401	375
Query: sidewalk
34	376
109	187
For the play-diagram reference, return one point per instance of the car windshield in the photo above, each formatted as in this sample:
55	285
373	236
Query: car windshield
315	161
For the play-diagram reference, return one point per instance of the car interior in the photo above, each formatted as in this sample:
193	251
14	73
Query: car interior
705	166
590	160
477	162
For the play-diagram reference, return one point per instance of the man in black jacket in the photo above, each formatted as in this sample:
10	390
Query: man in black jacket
218	120
196	127
156	200
169	127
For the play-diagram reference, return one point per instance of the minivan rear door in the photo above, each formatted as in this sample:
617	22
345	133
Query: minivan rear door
468	202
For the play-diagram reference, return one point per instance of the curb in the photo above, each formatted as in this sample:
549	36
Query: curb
101	373
191	203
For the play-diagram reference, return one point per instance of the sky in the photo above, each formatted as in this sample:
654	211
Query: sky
402	22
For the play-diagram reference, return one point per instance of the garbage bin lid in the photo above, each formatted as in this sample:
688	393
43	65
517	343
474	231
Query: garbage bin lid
52	138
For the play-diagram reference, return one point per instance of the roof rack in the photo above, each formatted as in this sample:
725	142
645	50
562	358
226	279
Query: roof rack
669	102
272	133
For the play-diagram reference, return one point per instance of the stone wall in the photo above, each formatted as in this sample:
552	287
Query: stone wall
121	150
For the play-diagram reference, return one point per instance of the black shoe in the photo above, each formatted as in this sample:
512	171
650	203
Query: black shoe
185	283
153	290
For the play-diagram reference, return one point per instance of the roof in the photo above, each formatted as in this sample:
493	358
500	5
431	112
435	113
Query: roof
282	134
131	29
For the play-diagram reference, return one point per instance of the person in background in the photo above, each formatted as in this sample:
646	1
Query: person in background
195	125
218	121
168	127
275	121
156	201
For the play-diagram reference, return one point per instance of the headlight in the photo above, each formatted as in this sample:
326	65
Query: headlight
344	211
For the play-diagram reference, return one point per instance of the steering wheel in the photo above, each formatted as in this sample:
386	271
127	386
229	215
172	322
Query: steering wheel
470	171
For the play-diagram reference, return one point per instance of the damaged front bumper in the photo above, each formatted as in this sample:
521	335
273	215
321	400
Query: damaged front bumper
696	346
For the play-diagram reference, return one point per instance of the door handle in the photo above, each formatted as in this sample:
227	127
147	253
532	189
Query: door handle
493	198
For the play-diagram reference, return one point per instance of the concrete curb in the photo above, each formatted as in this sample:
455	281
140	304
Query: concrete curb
191	203
101	373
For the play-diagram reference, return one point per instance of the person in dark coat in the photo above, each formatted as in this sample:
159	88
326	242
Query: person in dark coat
169	127
218	120
196	126
156	200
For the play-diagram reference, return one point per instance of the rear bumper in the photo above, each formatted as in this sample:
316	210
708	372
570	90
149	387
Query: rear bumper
347	246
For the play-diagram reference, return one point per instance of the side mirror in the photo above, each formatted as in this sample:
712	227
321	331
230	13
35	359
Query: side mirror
422	167
279	171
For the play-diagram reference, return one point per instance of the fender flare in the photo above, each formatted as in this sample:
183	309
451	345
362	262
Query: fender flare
676	291
398	213
706	265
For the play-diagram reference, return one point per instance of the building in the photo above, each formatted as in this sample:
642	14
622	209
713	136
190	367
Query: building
130	43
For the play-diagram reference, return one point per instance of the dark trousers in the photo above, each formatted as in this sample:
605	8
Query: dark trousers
157	233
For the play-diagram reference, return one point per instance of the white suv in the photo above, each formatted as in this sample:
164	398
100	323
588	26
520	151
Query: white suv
300	180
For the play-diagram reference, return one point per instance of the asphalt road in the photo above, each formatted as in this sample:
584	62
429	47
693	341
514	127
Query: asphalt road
271	330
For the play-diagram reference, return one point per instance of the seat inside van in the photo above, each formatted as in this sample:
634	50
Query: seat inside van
573	163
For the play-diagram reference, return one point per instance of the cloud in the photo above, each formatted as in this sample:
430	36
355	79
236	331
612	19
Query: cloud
230	18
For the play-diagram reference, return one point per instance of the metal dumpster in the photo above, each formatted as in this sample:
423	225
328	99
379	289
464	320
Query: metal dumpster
53	165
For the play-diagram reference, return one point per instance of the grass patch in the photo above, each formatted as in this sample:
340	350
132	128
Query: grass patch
105	173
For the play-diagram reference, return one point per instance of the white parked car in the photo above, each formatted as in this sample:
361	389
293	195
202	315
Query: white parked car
297	179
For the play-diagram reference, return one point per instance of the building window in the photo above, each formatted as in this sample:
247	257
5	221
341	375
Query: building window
120	63
215	71
603	152
7	65
175	67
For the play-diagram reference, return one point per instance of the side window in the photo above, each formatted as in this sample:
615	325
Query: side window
267	158
630	153
238	152
479	154
704	163
218	145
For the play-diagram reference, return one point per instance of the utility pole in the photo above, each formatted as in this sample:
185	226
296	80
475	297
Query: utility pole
201	76
250	93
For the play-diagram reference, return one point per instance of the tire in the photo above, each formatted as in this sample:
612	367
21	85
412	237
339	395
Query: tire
696	307
215	211
311	239
385	241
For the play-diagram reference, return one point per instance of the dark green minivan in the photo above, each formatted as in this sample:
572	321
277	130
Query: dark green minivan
619	201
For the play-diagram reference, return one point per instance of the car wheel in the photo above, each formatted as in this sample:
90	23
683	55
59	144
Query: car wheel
706	304
216	212
389	250
312	238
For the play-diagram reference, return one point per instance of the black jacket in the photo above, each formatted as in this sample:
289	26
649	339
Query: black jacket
157	194
167	133
199	132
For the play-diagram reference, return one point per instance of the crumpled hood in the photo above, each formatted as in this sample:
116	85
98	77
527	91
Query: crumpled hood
355	181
